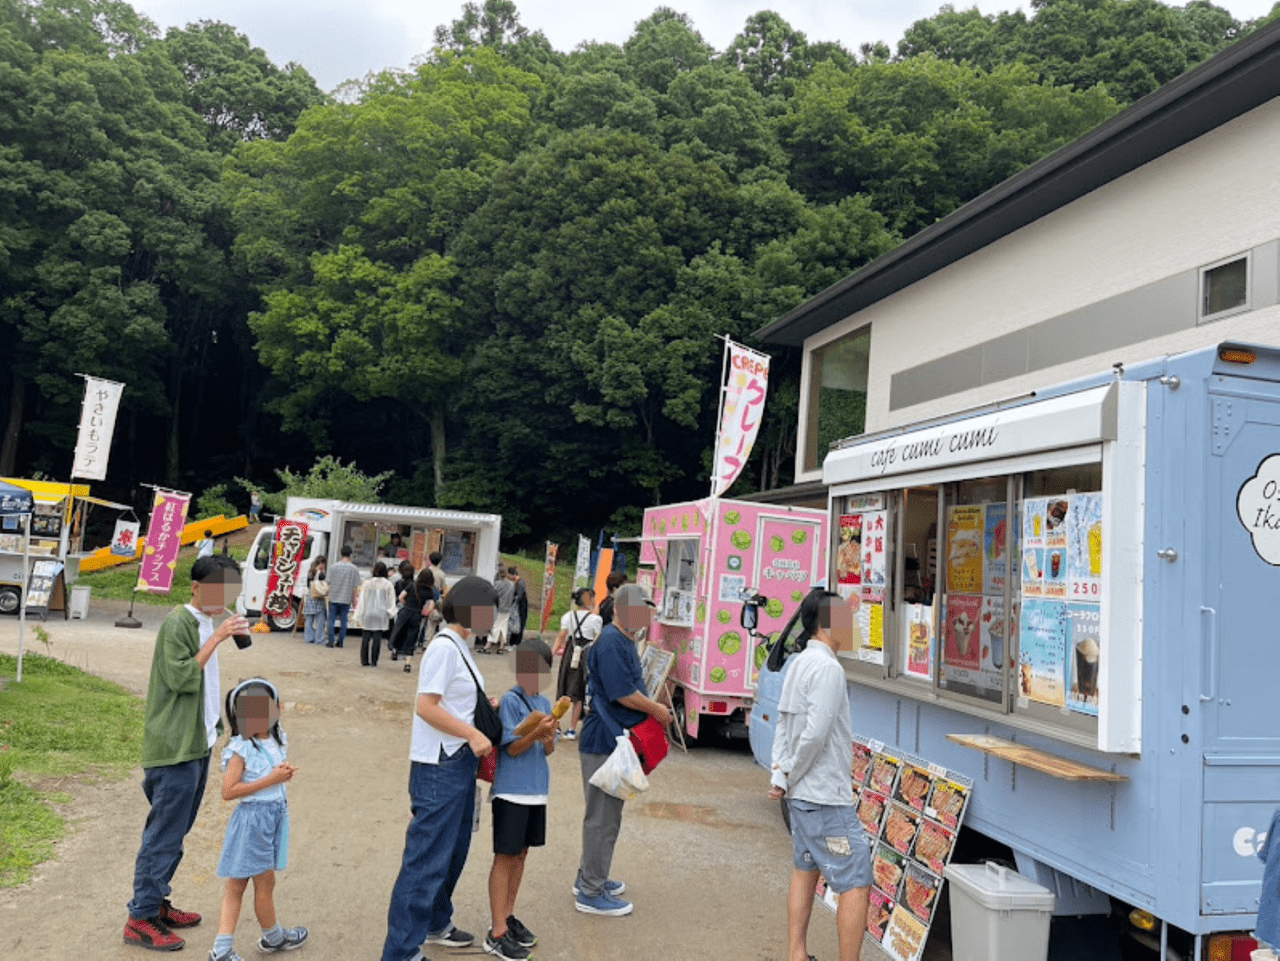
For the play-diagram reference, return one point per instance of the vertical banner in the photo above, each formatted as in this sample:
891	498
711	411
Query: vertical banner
582	572
125	541
164	539
549	583
97	424
286	554
742	410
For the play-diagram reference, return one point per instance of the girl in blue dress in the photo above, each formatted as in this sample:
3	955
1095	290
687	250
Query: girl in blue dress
257	841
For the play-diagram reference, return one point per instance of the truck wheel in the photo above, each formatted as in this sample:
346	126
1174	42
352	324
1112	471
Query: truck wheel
682	721
786	813
285	621
9	598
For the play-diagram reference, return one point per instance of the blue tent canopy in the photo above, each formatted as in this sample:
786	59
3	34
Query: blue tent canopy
15	500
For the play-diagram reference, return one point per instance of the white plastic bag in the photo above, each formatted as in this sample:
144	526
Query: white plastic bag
621	775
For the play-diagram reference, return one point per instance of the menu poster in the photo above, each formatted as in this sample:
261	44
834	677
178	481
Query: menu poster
873	553
995	550
1084	548
964	549
870	618
910	847
44	575
1033	509
1032	571
849	553
906	935
1056	512
878	912
992	627
1083	657
1043	636
918	654
962	639
861	763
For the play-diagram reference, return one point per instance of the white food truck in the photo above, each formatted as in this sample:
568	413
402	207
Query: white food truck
386	532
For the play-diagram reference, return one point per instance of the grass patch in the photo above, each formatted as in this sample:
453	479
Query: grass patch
118	582
531	570
59	721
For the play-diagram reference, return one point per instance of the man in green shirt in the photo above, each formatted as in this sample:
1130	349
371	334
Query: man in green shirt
182	723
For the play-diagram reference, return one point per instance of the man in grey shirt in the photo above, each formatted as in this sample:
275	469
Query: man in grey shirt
344	578
506	592
812	758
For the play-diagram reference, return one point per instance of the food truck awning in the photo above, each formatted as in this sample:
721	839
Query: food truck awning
99	502
441	518
1037	435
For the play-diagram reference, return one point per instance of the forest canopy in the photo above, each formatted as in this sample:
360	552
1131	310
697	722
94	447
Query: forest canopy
501	275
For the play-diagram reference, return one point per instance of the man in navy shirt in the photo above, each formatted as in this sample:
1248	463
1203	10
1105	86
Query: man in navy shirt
617	699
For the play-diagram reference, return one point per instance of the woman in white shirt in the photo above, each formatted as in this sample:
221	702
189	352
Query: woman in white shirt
578	630
445	753
374	610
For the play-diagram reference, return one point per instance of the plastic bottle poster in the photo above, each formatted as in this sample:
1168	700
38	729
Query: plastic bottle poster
995	552
964	549
1083	657
1084	548
1043	636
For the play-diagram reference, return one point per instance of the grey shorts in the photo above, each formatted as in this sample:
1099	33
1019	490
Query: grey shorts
829	838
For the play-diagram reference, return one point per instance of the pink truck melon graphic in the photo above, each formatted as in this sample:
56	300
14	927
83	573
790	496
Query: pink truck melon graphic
701	558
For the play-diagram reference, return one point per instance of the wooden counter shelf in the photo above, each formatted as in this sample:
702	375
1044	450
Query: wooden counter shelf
1035	759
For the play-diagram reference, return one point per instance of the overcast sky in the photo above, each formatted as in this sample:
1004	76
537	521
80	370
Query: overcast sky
338	40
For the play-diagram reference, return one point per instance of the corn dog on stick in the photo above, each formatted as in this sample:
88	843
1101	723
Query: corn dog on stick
561	708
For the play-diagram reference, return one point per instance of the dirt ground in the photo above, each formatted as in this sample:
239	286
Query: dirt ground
704	854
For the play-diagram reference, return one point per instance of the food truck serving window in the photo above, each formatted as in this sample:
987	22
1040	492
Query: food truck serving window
680	581
984	591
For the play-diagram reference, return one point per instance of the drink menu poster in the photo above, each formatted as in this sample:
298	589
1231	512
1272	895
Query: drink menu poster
911	810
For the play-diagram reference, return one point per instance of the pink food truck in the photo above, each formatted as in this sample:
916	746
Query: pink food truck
701	559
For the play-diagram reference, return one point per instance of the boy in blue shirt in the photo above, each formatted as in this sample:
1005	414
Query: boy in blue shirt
521	784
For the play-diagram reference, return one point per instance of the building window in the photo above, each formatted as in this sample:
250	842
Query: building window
837	402
1224	288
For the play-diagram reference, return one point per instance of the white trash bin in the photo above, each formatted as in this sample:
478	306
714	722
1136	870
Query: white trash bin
80	601
997	913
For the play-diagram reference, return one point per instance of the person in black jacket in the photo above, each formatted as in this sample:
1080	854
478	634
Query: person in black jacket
520	610
418	600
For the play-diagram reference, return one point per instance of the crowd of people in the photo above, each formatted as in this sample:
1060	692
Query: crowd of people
455	725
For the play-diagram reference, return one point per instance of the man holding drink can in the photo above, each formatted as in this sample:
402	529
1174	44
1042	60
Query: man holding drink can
183	720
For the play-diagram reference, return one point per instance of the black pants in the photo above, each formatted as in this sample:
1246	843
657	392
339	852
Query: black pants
370	647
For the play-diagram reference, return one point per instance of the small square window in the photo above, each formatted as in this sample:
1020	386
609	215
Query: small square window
1224	287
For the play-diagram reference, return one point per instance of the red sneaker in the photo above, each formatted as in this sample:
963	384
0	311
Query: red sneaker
151	934
173	918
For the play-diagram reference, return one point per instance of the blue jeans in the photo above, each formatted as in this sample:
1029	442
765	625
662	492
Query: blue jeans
317	628
174	792
338	613
442	798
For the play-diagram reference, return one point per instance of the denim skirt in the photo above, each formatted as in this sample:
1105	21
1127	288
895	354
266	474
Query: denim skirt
257	840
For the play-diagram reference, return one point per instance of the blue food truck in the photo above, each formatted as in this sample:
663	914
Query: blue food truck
1076	614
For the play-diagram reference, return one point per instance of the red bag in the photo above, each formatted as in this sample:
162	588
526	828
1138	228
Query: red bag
488	766
649	738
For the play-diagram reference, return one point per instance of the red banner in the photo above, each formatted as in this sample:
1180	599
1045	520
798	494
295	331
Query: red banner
164	540
286	555
549	583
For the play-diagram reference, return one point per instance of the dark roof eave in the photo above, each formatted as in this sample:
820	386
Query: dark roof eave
1242	77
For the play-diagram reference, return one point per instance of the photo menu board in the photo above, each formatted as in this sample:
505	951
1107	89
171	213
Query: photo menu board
912	811
1060	626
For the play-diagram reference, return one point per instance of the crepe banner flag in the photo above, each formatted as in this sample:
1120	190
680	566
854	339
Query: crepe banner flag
549	583
743	409
164	540
97	424
286	554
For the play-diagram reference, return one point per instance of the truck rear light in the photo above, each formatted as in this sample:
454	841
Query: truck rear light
1237	355
1142	920
1231	947
718	707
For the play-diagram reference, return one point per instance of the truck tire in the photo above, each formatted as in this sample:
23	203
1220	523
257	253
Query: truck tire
682	720
9	598
283	622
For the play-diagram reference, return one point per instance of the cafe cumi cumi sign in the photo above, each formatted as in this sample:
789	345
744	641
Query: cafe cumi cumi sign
1072	420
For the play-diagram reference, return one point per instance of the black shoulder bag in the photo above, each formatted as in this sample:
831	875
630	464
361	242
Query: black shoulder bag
486	719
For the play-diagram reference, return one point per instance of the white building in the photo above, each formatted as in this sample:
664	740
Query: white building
1156	233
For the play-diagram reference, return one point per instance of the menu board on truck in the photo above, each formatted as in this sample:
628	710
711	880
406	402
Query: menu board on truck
911	810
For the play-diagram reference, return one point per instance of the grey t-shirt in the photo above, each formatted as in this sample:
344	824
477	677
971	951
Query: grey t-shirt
506	592
813	742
